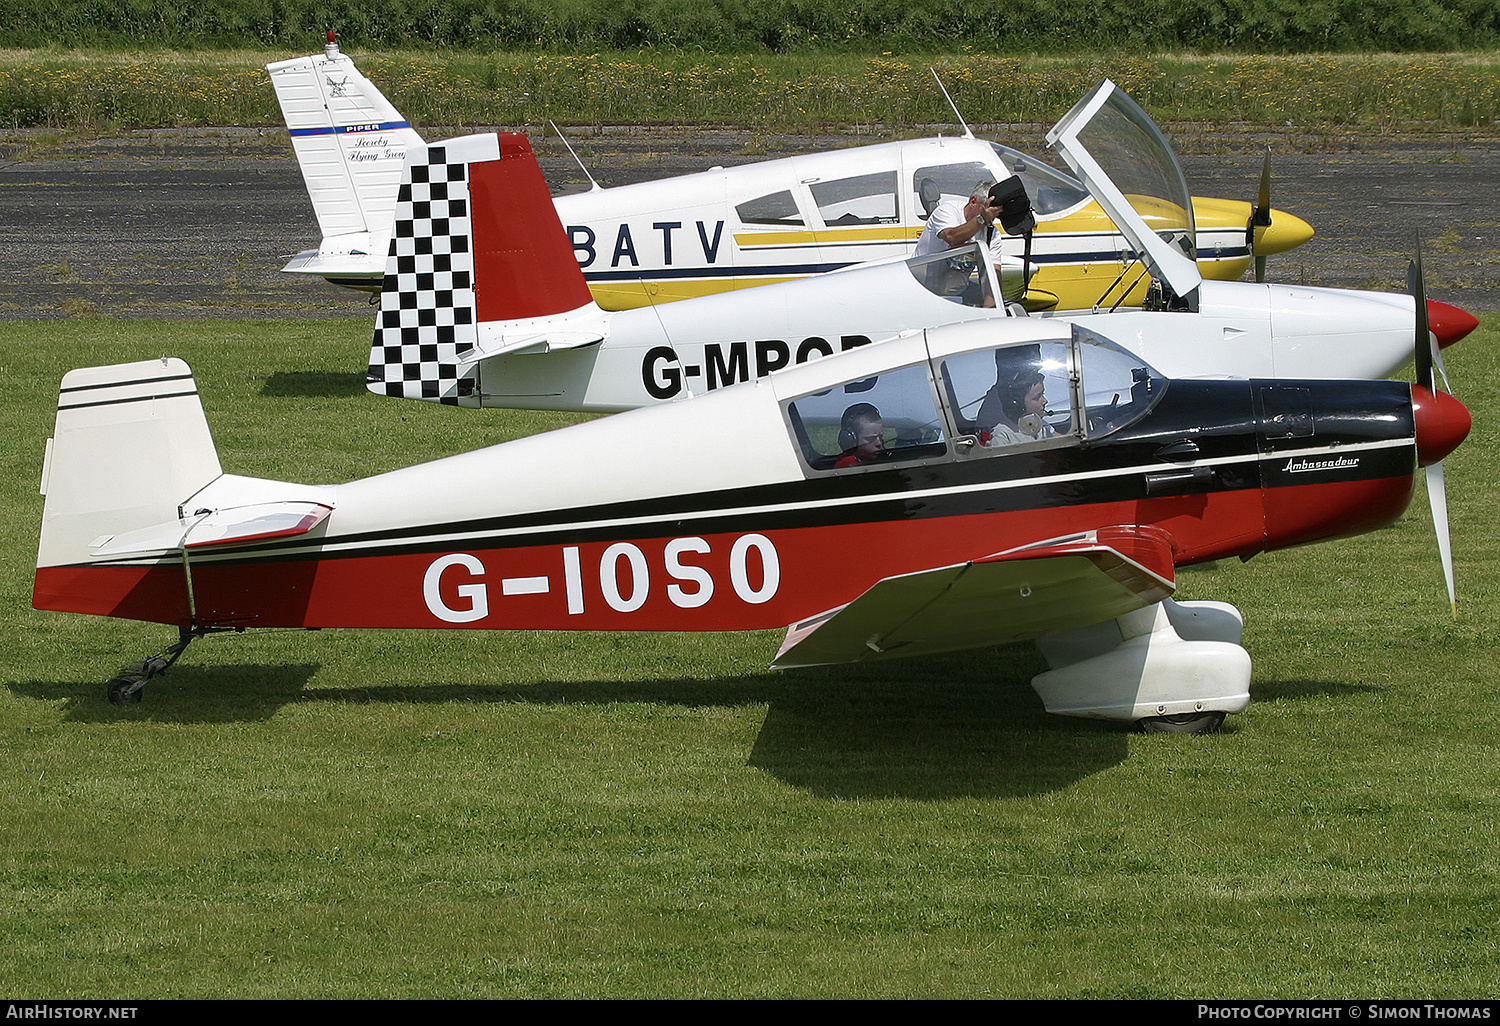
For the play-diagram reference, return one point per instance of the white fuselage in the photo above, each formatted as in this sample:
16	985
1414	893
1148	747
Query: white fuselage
677	350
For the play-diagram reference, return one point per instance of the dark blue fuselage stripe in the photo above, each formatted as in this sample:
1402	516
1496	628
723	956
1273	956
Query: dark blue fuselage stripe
740	271
803	270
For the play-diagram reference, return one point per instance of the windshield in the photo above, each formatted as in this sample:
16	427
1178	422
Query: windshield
1125	161
1050	190
1117	387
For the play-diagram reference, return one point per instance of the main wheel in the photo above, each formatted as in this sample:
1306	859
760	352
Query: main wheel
1182	723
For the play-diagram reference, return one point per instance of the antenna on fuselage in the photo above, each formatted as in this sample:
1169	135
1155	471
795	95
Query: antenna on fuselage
596	187
967	134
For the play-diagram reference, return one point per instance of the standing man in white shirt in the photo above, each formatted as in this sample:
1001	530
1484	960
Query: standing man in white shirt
955	222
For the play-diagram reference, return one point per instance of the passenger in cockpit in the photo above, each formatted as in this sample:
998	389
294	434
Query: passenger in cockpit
861	436
954	222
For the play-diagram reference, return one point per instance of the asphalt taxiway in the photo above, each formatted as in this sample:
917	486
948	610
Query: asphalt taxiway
182	223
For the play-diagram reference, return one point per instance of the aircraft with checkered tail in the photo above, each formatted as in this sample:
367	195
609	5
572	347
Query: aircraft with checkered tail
958	487
484	304
771	221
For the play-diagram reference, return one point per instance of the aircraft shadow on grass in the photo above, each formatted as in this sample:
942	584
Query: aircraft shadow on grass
942	728
314	384
1304	690
246	693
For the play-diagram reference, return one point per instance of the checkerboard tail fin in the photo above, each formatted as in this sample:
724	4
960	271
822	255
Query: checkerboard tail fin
477	257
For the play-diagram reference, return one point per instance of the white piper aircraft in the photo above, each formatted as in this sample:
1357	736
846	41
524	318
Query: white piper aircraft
474	217
774	221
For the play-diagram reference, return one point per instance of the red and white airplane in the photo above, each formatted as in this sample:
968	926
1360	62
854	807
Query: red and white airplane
730	228
474	215
964	486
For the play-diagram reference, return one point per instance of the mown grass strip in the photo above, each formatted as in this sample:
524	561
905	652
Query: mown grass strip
504	814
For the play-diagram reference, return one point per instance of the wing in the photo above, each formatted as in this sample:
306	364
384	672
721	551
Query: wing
1015	595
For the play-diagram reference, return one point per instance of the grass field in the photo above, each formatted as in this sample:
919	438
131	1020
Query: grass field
456	814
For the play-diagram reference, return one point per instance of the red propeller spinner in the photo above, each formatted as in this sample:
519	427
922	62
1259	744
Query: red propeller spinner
1448	322
1442	423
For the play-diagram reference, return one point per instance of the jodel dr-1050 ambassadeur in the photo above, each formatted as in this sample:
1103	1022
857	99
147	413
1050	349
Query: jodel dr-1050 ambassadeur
967	485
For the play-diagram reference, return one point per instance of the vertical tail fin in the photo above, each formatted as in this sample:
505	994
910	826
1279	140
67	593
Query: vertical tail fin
479	265
130	444
350	143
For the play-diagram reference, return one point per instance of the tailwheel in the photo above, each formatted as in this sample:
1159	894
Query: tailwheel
1182	723
129	684
126	689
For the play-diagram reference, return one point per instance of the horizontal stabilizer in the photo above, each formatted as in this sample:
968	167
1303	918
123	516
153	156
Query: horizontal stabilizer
217	527
534	345
1010	596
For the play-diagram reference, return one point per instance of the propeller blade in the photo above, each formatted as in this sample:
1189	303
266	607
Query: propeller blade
1263	201
1260	219
1437	498
1427	353
1437	357
1422	339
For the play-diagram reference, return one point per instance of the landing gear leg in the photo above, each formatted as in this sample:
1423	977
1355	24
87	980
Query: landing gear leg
128	686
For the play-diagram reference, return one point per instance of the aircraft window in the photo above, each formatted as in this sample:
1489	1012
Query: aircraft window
866	199
1117	386
871	422
932	184
1016	395
956	274
1050	190
777	208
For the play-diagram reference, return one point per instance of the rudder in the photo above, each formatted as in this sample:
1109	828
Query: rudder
477	256
130	445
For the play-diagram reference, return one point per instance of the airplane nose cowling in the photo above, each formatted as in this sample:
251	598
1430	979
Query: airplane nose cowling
1442	424
1286	231
1448	322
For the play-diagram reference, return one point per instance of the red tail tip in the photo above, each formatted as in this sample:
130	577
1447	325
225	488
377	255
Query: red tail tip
1448	322
1442	424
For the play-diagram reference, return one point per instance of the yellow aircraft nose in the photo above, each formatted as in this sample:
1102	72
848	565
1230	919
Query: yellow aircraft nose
1286	231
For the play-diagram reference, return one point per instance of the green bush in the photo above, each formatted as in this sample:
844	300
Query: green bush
990	26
